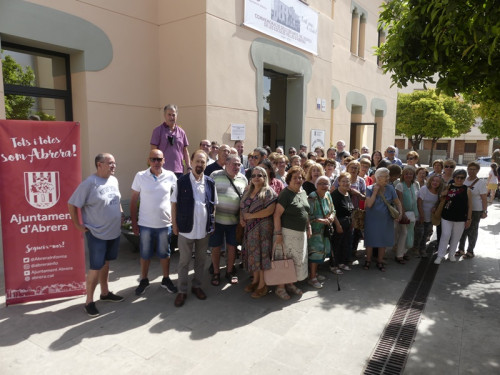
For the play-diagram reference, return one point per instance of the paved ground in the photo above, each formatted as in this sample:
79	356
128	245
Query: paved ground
325	332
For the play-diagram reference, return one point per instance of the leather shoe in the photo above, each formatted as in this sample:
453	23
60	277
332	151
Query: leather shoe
200	294
179	300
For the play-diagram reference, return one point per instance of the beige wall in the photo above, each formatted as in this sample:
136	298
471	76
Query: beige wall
196	54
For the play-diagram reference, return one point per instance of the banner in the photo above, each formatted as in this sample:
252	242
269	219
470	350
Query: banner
287	20
40	168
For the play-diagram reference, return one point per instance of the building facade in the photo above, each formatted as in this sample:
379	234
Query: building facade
307	75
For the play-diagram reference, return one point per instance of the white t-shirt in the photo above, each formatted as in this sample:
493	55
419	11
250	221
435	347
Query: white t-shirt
428	201
478	189
492	179
155	208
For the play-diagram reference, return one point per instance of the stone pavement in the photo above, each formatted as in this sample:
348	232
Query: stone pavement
326	331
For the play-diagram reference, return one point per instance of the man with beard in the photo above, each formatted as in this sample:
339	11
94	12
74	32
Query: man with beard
193	220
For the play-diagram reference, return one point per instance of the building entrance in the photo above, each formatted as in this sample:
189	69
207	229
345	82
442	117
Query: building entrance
275	95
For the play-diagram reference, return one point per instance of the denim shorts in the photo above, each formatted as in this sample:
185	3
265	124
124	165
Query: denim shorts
101	250
217	238
151	236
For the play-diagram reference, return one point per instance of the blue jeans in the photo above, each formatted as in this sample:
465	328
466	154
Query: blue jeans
150	236
101	251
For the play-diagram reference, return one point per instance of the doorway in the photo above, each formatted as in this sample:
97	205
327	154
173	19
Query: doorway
363	134
275	97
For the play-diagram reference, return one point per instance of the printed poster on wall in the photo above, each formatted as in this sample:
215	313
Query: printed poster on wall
40	168
290	21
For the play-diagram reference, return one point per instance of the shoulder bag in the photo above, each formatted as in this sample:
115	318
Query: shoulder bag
392	210
281	271
240	230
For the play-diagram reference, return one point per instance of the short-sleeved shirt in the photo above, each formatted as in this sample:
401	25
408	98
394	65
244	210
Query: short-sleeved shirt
228	208
155	207
477	190
200	215
211	168
99	200
359	185
296	214
173	151
342	203
429	200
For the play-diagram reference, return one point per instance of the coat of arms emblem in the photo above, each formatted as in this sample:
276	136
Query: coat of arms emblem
41	189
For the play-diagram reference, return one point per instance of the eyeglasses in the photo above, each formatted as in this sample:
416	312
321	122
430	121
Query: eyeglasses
449	166
155	159
254	157
257	176
323	183
391	151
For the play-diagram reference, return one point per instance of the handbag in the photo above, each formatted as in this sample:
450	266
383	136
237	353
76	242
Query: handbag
281	271
329	230
358	219
392	210
436	215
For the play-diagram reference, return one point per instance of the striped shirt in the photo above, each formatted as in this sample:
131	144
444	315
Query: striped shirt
227	212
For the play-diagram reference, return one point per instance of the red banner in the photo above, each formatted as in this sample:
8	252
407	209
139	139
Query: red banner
40	168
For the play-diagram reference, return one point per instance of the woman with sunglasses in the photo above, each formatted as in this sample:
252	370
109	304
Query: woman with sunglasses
256	216
412	159
456	215
449	166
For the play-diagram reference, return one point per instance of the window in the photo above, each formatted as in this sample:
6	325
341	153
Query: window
470	147
36	82
358	29
381	40
442	146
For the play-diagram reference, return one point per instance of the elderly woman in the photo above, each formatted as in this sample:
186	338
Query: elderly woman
379	224
407	191
426	202
292	228
343	234
279	164
312	174
355	153
320	151
456	215
321	214
273	182
422	174
479	209
357	193
449	167
256	216
412	159
437	167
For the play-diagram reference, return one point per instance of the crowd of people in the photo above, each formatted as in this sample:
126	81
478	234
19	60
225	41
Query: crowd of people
314	205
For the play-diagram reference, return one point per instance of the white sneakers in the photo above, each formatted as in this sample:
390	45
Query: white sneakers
438	260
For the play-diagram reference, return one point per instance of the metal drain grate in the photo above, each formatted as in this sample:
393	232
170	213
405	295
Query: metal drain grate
391	352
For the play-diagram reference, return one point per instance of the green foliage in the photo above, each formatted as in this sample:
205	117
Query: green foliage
456	40
424	114
17	106
489	111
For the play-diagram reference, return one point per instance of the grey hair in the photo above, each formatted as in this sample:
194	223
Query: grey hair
381	171
170	106
321	178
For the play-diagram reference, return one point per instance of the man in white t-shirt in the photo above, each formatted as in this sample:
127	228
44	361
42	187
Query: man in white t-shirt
152	219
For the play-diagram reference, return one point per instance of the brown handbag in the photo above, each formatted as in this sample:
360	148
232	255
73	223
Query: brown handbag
281	271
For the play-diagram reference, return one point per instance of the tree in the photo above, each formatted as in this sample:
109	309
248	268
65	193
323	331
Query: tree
489	111
424	114
455	40
17	106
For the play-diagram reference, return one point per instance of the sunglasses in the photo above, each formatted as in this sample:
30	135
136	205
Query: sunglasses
449	166
155	159
391	151
171	140
257	176
410	158
255	157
